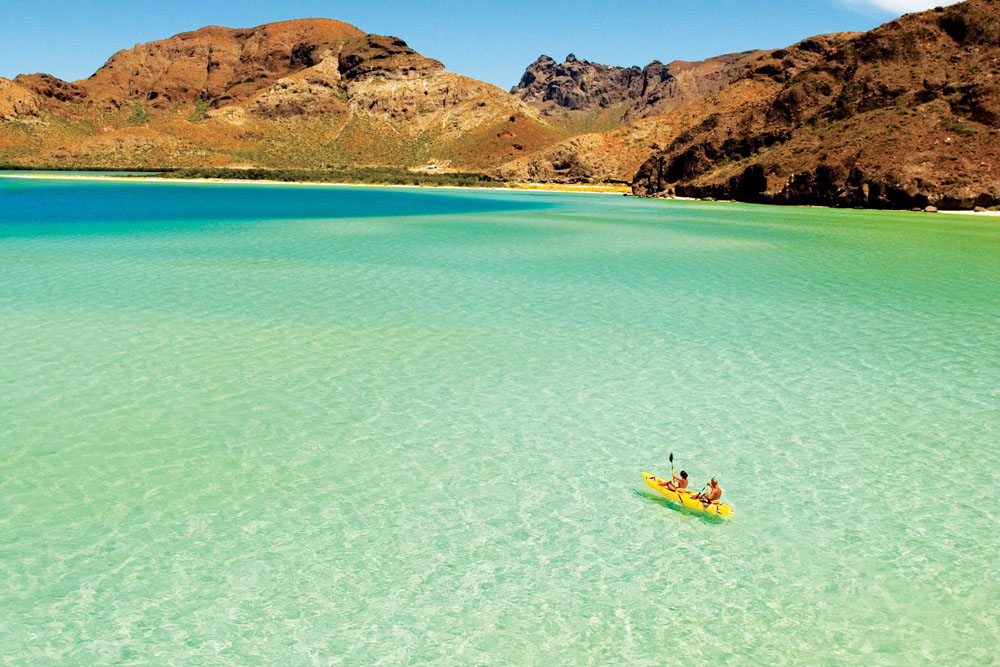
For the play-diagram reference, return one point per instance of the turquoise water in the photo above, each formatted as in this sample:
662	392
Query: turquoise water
295	425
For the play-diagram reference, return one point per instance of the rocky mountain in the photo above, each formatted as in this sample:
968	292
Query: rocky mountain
615	155
906	115
630	92
220	65
303	93
618	114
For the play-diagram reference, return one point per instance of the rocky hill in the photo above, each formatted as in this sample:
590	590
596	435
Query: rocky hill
906	115
629	93
304	93
618	114
615	155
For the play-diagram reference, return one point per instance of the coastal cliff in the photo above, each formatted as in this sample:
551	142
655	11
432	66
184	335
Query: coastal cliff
907	115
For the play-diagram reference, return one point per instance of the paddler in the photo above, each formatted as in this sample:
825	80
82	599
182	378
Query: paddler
678	483
714	493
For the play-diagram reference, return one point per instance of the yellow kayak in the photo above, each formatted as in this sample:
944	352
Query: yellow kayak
686	497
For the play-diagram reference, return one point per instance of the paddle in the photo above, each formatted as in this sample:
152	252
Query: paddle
671	458
704	500
680	492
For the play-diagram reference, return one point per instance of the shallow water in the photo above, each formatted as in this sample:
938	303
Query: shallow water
290	425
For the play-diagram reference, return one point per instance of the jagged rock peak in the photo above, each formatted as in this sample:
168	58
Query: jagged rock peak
581	85
573	84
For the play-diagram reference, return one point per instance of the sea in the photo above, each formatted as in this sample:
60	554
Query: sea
317	425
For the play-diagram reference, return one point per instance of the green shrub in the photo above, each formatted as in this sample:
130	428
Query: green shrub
200	109
139	115
956	125
374	175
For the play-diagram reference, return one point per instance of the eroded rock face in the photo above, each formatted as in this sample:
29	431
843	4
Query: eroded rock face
48	86
575	160
225	66
384	57
580	85
305	94
904	116
574	84
16	101
594	157
220	65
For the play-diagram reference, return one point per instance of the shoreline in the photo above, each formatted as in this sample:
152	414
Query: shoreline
958	212
602	189
514	187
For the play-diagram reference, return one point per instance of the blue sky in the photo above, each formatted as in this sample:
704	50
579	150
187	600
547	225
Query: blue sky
493	41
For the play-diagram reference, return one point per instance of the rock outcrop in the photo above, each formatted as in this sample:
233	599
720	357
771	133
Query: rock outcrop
49	87
16	101
904	116
580	85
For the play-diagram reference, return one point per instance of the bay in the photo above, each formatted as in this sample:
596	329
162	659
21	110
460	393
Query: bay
250	424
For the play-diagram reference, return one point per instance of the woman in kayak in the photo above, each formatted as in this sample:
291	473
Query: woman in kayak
714	493
678	483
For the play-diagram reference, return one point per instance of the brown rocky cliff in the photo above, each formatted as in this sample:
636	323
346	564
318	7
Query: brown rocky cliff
50	87
332	79
221	65
16	101
903	116
580	85
576	85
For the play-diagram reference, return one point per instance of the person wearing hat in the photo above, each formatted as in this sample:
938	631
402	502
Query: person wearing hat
714	493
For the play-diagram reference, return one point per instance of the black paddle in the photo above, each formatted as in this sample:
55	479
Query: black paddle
678	491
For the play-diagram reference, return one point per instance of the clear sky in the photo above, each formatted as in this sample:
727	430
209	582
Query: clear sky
493	41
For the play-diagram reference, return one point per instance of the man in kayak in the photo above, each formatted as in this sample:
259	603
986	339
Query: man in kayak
678	483
714	493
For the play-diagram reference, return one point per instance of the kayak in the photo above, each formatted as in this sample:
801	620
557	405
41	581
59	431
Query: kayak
687	498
